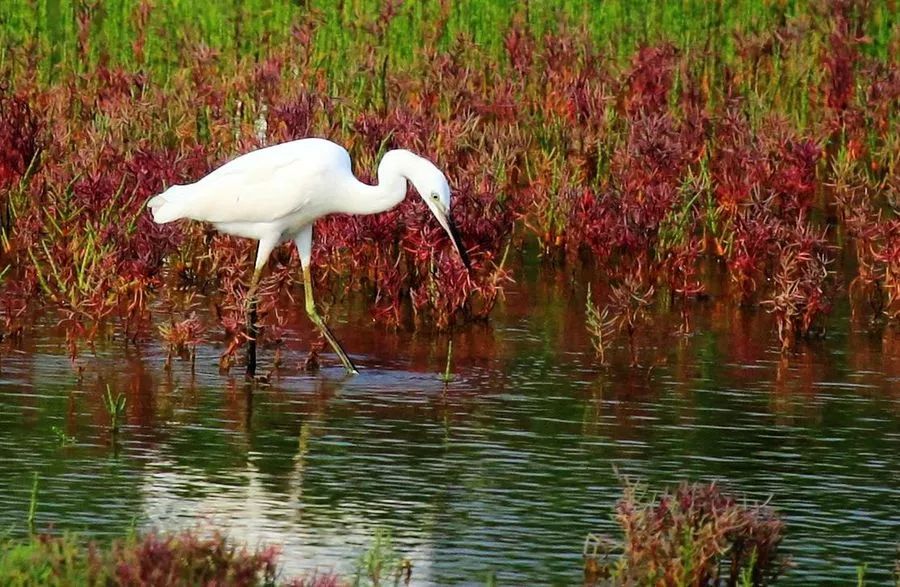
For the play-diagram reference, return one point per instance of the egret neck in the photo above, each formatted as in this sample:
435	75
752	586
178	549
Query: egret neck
397	167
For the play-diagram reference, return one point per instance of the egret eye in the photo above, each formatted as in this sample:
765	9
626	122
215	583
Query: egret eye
435	197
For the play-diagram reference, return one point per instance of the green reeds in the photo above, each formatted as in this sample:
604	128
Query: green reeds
62	437
447	375
381	564
69	33
600	326
115	409
32	503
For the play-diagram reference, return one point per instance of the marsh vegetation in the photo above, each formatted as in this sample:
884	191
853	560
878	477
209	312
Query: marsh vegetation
690	206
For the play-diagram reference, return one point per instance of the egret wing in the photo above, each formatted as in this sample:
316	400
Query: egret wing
271	183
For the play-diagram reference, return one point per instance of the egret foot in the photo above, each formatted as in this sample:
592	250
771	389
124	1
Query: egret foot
320	324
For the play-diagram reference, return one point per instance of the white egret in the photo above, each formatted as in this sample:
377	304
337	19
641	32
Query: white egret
275	194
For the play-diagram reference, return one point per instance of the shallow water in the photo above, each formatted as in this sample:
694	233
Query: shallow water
504	472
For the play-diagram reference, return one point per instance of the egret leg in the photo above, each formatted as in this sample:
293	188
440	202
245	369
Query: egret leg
252	330
264	248
303	241
320	324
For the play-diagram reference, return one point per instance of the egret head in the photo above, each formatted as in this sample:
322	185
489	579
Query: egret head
434	189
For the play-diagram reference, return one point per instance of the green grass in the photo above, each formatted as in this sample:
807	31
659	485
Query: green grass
176	559
64	34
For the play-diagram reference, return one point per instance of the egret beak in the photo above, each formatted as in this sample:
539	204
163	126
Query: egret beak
446	221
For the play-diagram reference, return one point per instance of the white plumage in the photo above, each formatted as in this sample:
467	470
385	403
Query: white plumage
275	194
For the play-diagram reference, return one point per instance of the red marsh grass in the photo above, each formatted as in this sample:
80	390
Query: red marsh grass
764	154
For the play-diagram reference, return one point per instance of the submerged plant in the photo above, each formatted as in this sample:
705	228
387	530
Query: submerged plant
629	302
447	375
800	293
62	437
861	575
697	535
115	409
381	564
598	552
600	325
32	503
182	337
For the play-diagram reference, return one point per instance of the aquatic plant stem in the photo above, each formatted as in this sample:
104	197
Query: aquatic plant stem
448	376
114	407
32	504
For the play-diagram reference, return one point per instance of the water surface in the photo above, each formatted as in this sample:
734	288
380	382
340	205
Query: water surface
502	472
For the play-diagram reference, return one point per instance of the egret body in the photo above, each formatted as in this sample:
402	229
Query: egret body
275	194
